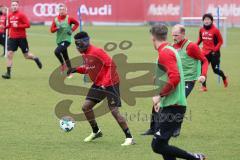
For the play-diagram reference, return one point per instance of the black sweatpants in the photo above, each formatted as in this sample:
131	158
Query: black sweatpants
214	59
189	85
170	119
61	53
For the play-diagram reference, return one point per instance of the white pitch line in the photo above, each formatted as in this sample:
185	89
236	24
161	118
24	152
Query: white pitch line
52	36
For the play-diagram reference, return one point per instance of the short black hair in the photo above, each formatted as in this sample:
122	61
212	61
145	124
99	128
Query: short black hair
209	15
15	1
81	35
159	31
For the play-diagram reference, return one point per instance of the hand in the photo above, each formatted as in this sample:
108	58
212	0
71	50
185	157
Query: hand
72	70
69	33
103	87
156	102
1	26
215	50
201	79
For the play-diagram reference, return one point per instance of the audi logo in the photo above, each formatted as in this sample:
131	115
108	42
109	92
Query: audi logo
45	9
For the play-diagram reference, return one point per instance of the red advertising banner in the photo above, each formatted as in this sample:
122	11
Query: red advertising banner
162	10
130	10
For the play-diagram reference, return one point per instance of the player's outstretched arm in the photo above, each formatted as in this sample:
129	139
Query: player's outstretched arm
74	22
53	28
80	69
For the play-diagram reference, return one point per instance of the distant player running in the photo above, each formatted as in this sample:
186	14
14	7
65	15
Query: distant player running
171	98
18	23
212	41
3	19
102	71
62	24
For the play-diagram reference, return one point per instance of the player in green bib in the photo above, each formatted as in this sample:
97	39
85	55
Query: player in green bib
171	99
62	24
191	57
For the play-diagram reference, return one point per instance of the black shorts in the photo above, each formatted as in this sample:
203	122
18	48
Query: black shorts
97	94
64	44
2	39
169	120
189	85
14	43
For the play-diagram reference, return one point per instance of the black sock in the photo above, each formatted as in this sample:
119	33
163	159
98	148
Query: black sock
9	70
38	62
204	84
127	133
95	128
222	75
68	63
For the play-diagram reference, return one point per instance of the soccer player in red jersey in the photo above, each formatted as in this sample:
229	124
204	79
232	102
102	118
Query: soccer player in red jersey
17	37
102	71
170	98
63	25
3	19
191	58
212	41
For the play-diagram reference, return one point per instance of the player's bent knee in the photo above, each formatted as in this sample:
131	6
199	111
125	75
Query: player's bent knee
57	52
114	111
86	108
154	146
88	105
216	71
28	56
9	56
158	146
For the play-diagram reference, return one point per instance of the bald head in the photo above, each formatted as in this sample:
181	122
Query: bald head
62	9
178	33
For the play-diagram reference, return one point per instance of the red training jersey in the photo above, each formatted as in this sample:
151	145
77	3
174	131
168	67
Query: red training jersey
168	62
194	52
99	66
3	19
71	21
211	39
18	22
